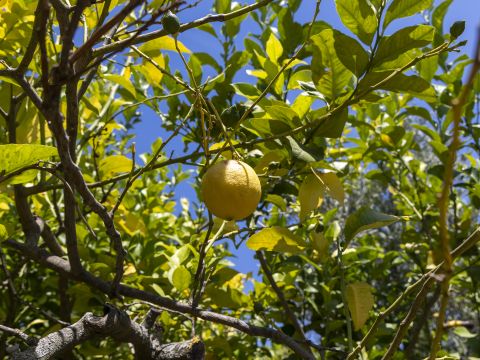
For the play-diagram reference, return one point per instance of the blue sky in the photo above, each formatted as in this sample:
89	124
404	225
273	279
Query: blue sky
198	41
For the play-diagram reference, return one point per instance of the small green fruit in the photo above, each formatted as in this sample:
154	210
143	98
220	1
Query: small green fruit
171	23
231	115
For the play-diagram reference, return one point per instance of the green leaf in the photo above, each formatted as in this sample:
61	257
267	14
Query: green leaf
457	29
403	8
276	239
352	55
359	17
3	233
247	90
395	51
16	156
400	83
331	127
222	6
115	164
365	219
299	152
274	48
181	278
463	332
439	14
328	72
360	301
277	200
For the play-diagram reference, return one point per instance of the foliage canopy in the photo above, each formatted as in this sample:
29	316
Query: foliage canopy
366	142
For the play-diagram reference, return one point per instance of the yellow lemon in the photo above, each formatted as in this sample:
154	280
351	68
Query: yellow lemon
231	190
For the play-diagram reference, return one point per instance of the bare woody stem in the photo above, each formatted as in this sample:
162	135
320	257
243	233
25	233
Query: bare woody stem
443	203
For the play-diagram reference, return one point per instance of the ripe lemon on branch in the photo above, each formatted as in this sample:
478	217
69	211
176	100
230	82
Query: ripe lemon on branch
231	190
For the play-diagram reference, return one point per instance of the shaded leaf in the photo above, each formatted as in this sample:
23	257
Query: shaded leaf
394	51
3	232
365	219
457	29
360	302
310	195
333	185
350	53
300	152
276	239
331	127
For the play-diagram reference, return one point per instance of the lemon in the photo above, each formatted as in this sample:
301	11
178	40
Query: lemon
231	190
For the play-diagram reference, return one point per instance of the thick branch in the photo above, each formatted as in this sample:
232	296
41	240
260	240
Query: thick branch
62	266
117	325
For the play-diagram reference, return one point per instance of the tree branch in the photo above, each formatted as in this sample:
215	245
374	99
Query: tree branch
281	296
62	266
119	45
117	325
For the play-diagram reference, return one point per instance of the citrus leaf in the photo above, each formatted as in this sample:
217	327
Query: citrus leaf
115	164
3	232
359	17
463	332
274	48
16	156
310	195
276	238
395	51
333	186
155	47
360	301
123	82
403	8
328	72
299	152
364	219
181	278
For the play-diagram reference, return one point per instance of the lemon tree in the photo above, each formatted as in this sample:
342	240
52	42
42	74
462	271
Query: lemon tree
239	179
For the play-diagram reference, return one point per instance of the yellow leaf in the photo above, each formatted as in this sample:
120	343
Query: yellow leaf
123	82
150	71
310	195
360	302
154	47
129	270
333	186
115	164
274	48
320	244
278	239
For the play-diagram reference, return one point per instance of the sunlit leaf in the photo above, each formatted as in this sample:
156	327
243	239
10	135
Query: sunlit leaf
403	8
359	17
278	239
16	156
115	164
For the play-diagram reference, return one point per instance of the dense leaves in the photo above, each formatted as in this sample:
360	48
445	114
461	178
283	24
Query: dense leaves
349	128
